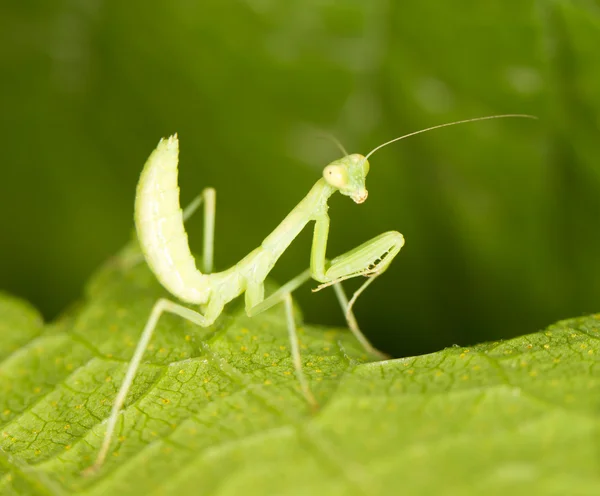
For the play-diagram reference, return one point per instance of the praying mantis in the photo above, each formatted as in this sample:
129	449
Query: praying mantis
163	240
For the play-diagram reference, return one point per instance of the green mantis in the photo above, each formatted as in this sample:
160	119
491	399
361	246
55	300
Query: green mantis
160	228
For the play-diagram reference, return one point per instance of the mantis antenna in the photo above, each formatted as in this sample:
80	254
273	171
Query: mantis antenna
448	124
335	141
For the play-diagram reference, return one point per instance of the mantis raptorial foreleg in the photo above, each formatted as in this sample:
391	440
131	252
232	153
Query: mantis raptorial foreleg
368	259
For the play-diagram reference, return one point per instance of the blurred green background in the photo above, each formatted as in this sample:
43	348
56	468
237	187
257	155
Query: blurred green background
501	218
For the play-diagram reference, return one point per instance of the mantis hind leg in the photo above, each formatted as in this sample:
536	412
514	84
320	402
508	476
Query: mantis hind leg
163	305
209	198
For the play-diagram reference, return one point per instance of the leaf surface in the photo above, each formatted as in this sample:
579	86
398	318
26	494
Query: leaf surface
219	410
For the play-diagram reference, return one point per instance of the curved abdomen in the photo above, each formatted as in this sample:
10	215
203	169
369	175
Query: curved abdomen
159	225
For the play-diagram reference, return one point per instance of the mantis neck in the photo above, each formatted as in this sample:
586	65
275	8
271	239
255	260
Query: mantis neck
312	206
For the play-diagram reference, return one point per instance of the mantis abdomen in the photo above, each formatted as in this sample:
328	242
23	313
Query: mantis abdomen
160	229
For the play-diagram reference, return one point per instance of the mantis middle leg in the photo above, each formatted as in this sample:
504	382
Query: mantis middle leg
256	303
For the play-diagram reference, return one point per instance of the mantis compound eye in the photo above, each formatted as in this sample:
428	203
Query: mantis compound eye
336	176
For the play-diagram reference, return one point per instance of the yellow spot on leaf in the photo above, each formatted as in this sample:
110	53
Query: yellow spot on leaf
267	382
287	372
533	373
282	348
68	447
266	355
465	377
244	331
410	371
108	379
67	427
188	337
6	412
244	348
166	401
583	346
547	346
122	438
37	390
590	352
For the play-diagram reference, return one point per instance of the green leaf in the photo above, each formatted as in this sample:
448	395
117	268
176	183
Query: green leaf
219	410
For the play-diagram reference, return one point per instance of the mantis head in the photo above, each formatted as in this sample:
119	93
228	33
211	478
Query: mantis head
348	175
